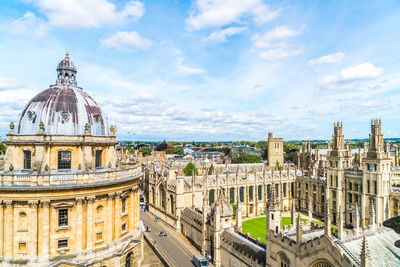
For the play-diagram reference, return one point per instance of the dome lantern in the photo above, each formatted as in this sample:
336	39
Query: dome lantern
66	71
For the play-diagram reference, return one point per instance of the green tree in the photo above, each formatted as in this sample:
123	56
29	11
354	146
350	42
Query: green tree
145	151
179	150
188	170
3	148
246	158
290	151
170	149
162	146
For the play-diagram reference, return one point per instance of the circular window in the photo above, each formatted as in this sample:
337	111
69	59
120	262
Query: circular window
96	118
31	115
65	116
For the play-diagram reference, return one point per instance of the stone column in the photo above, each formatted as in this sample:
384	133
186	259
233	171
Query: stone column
79	226
109	219
117	212
45	231
131	212
8	234
33	230
1	230
89	222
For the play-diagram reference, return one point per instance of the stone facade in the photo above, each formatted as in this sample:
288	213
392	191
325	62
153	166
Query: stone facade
275	151
67	200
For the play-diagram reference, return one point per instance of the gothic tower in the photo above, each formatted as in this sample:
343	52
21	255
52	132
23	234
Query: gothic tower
376	175
338	159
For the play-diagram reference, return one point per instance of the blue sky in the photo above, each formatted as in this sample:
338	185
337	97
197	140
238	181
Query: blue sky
211	70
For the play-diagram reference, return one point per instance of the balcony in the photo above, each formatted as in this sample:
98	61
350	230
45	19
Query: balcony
59	178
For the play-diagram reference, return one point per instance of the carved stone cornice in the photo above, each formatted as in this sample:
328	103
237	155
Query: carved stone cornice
118	194
79	200
33	204
8	203
90	199
45	203
111	196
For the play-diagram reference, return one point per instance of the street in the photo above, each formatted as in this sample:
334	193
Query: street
169	245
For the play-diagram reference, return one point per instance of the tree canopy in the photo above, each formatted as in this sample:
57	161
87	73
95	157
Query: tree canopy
246	158
162	146
188	170
145	151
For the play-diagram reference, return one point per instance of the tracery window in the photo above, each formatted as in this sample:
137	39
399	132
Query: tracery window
241	193
211	196
64	159
27	159
232	195
251	193
284	260
259	192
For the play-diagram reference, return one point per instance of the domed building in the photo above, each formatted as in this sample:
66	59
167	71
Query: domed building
66	199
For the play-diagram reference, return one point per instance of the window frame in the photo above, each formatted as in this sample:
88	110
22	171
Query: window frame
64	163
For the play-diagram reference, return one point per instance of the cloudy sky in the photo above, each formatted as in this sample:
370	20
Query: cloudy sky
211	69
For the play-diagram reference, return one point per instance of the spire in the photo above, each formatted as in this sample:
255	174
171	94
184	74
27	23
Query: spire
299	230
327	226
372	214
340	223
387	210
292	215
310	210
364	253
357	218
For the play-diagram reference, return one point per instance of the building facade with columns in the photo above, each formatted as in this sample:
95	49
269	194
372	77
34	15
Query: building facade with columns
66	198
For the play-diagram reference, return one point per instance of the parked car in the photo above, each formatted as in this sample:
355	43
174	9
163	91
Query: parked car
199	261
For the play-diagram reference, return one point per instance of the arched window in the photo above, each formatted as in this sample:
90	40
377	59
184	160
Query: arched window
232	195
22	221
268	192
172	204
322	263
211	196
259	193
128	260
241	193
284	190
284	261
64	160
251	193
99	213
27	159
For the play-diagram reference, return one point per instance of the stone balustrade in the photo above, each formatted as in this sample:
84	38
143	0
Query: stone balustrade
67	178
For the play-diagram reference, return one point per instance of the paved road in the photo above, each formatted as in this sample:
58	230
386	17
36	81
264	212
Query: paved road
169	245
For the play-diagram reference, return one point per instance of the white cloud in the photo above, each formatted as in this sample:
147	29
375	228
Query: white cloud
361	71
333	58
357	72
279	33
279	53
9	83
273	44
28	24
220	36
87	13
217	13
126	41
186	69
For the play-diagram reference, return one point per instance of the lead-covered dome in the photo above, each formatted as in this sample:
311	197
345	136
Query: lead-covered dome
64	108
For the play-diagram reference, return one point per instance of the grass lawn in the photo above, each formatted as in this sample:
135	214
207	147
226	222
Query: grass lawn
257	228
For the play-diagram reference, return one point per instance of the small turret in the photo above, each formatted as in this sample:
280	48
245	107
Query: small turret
372	215
327	226
340	223
364	253
299	230
357	219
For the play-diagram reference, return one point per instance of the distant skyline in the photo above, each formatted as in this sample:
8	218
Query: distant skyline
210	70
